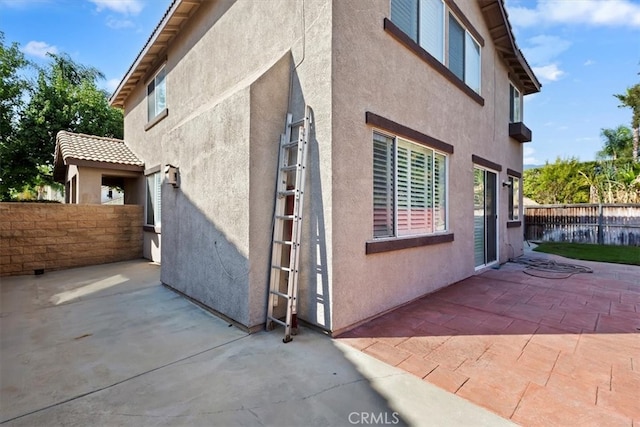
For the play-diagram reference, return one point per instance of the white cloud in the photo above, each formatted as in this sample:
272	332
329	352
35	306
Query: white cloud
529	158
589	62
542	49
523	17
124	7
585	12
118	24
548	73
39	49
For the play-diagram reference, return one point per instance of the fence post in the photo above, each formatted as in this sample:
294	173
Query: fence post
600	230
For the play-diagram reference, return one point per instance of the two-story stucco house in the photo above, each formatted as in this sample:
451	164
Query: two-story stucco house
415	155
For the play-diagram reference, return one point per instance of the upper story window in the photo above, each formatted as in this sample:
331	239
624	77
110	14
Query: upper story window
464	55
423	21
409	188
157	95
515	104
427	23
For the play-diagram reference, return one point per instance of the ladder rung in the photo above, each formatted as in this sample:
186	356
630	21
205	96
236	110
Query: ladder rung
291	166
283	242
278	321
281	294
286	217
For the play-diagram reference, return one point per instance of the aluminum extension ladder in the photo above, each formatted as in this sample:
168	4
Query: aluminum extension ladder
287	226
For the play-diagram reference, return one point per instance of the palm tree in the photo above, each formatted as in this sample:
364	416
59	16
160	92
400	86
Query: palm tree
631	99
617	143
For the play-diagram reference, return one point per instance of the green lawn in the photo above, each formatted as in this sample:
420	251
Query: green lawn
602	253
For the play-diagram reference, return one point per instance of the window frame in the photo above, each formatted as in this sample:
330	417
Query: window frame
153	197
515	114
449	11
514	198
158	114
396	234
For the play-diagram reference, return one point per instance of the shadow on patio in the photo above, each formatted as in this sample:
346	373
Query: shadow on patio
109	345
534	350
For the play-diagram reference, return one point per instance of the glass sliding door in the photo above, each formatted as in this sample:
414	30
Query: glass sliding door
485	216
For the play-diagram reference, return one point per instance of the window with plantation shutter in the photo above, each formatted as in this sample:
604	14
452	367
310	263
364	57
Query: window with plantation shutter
383	194
418	186
403	177
439	192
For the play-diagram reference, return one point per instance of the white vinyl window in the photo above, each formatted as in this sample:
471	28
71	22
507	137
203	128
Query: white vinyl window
514	198
409	188
153	212
515	104
424	21
156	95
464	55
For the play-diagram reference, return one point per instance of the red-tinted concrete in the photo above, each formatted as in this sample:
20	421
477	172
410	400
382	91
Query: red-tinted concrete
538	351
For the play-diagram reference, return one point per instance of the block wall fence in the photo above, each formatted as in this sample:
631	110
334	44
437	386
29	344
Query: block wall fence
48	236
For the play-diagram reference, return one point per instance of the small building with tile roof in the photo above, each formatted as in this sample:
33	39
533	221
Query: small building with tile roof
85	163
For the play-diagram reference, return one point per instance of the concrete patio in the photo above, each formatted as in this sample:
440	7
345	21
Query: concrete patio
109	345
537	351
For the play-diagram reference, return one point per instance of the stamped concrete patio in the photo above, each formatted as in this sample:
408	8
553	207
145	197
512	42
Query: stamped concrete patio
537	351
108	345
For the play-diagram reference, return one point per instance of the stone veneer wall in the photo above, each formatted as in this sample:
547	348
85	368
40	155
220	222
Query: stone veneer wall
36	236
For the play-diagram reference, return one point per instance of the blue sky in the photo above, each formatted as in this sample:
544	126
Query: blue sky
583	51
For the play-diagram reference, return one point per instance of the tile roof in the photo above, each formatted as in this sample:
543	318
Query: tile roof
71	147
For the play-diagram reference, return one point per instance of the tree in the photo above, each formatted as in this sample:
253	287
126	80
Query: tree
613	181
65	97
617	143
631	99
12	87
558	182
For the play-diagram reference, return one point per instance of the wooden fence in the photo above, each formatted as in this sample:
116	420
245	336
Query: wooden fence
606	224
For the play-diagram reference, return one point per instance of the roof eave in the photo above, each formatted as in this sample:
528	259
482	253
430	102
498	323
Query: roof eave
505	42
167	28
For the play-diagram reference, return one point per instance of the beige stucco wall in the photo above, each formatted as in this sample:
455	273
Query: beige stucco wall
89	183
228	75
373	72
